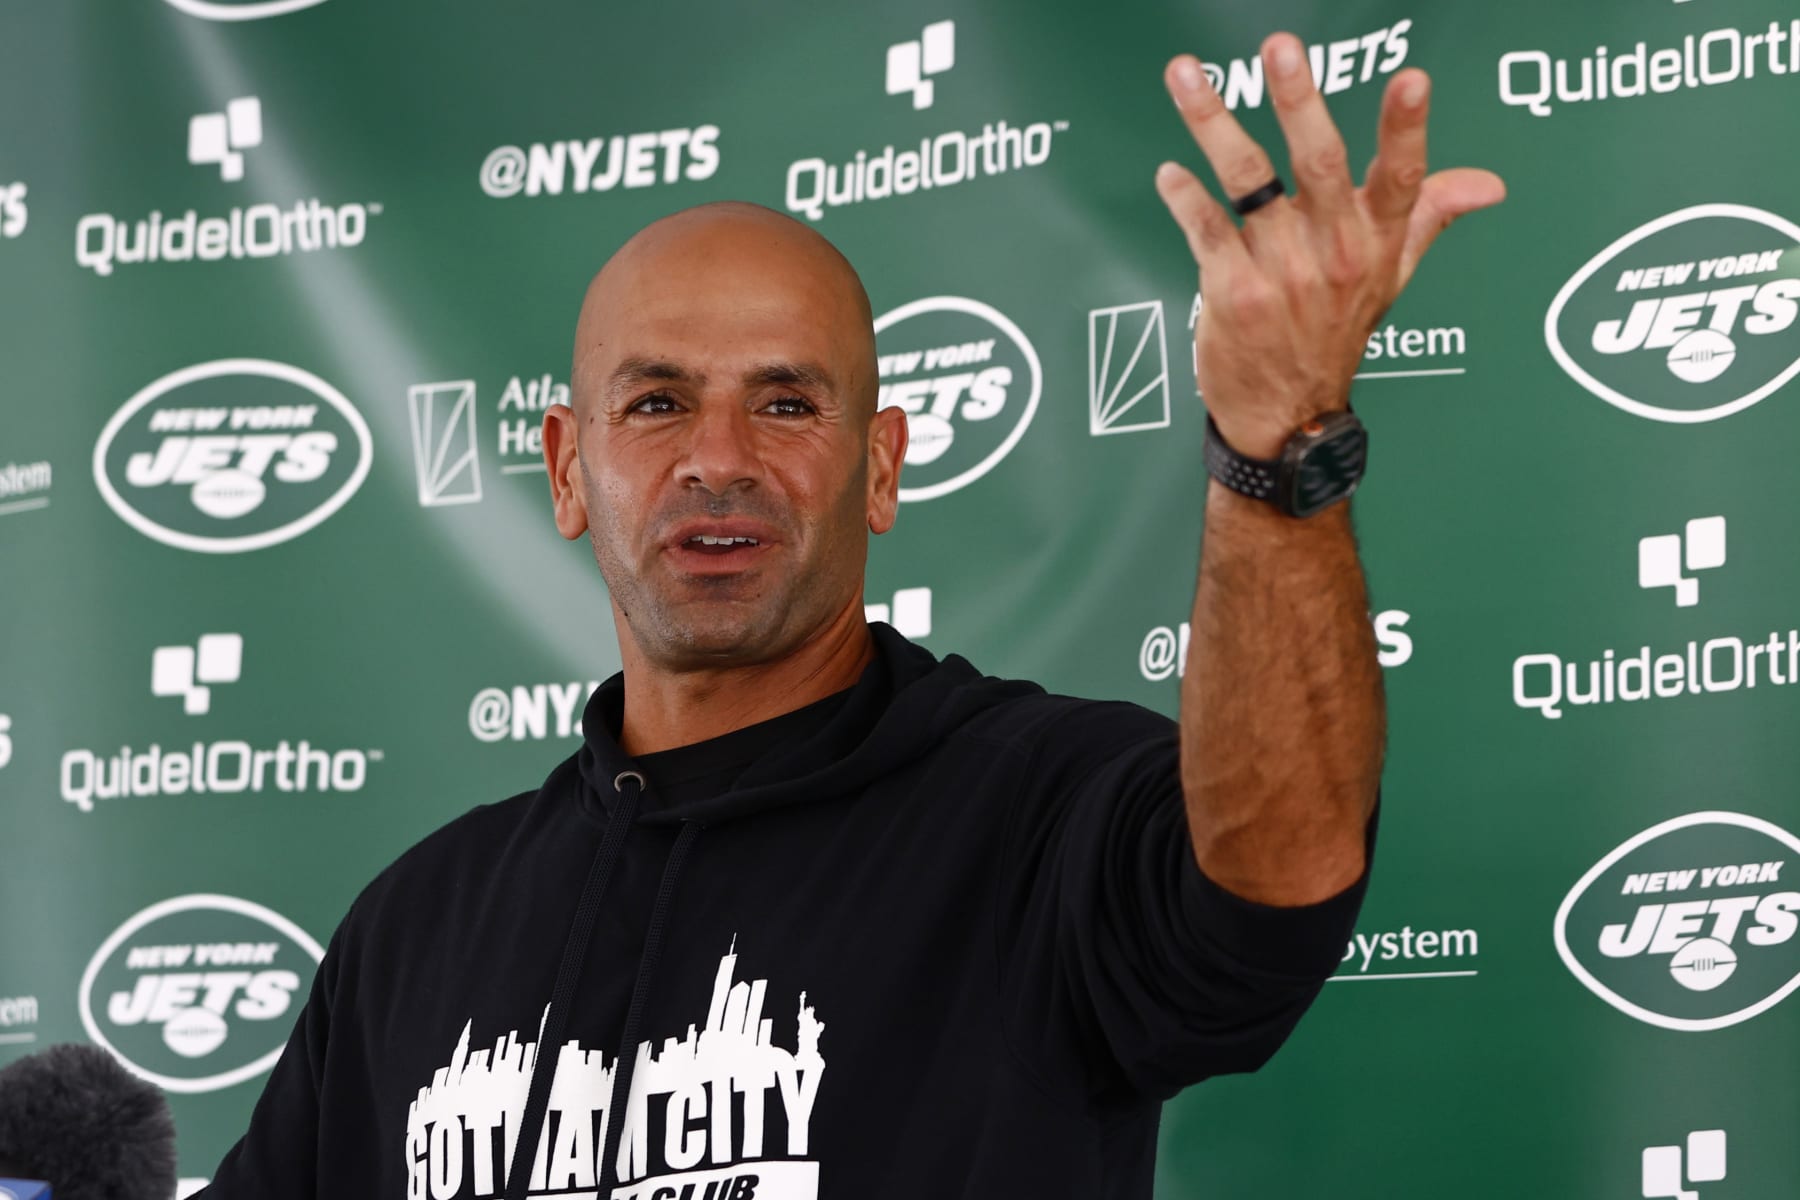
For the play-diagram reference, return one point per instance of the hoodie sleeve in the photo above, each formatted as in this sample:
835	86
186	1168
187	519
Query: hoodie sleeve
277	1158
1122	966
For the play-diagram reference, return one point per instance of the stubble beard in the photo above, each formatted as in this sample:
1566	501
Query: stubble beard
695	623
713	623
721	622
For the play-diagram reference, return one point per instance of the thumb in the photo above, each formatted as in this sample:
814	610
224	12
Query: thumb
1443	197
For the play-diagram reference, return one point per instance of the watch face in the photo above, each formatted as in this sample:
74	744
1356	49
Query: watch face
1330	468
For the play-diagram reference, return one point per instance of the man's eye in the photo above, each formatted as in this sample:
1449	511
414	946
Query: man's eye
790	406
656	402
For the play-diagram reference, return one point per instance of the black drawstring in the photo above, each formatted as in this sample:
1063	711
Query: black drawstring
626	1063
568	974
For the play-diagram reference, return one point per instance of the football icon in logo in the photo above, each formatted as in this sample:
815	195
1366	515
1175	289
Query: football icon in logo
927	438
194	1032
228	494
1701	356
1703	964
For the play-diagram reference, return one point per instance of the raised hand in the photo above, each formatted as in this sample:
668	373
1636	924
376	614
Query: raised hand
1290	298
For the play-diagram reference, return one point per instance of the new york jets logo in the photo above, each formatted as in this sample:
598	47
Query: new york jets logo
969	381
198	992
232	455
1688	318
1690	924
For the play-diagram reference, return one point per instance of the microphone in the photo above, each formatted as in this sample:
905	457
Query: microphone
72	1116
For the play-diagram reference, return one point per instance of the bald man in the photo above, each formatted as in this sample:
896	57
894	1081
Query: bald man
813	913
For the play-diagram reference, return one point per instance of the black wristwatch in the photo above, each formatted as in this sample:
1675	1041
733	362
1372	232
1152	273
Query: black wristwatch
1321	464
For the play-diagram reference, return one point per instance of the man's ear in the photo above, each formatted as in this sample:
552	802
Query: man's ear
562	430
887	451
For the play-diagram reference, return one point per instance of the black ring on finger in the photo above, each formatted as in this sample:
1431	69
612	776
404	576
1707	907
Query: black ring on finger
1247	204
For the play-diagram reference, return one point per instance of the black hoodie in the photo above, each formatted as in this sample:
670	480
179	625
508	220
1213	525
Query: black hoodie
944	935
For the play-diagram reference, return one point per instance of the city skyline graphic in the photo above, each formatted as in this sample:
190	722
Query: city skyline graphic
713	1085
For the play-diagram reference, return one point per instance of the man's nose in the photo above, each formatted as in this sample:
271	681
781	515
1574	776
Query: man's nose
720	454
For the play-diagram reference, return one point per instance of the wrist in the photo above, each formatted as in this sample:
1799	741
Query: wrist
1300	472
1264	435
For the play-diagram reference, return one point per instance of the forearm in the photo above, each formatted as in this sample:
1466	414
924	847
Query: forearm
1282	712
1282	716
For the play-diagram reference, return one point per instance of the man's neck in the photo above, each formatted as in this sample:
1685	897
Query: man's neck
666	709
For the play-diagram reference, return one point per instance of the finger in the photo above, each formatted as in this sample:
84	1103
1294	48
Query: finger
1399	167
1237	161
1315	148
1443	198
1211	233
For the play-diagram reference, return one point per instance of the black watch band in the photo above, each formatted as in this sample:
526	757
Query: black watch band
1321	464
1252	477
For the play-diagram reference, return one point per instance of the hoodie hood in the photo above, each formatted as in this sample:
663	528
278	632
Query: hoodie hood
905	703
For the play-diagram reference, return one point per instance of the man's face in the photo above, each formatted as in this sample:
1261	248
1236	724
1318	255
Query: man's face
723	430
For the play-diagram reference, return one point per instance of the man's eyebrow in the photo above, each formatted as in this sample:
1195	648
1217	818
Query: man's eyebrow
797	374
637	370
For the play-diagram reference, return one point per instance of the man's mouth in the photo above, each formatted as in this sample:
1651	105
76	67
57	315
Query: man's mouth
719	546
705	544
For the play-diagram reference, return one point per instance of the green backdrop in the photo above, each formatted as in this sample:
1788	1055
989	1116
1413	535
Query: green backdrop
288	286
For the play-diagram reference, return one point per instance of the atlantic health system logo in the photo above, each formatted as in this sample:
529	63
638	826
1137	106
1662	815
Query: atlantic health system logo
446	458
1687	318
232	455
446	444
18	1019
1128	369
1128	362
25	486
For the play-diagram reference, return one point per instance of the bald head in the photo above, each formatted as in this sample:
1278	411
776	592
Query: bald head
724	454
712	266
